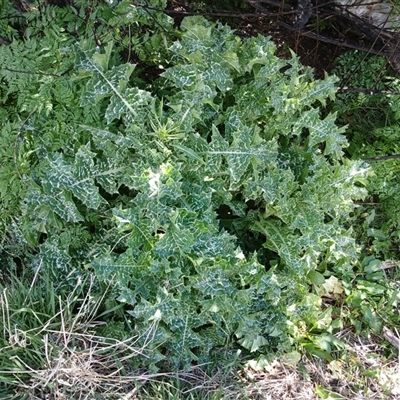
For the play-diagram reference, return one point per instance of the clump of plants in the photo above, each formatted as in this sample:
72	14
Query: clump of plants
211	199
198	187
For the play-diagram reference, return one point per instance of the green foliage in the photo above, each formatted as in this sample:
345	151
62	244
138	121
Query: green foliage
362	112
7	25
370	293
214	198
41	112
374	131
161	196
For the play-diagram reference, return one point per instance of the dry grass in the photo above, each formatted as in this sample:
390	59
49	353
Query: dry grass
85	365
361	373
79	365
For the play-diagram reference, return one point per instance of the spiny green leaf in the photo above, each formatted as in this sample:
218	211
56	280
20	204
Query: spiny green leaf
103	84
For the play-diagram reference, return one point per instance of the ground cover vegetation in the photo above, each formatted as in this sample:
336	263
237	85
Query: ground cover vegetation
179	204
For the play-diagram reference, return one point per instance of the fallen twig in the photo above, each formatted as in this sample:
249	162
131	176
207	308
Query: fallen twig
391	337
